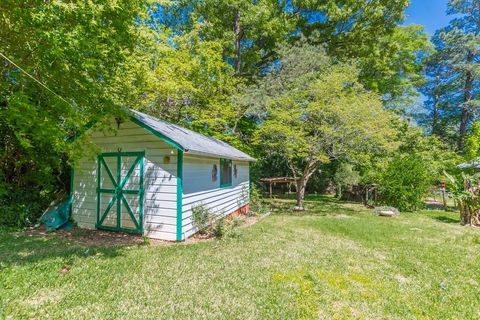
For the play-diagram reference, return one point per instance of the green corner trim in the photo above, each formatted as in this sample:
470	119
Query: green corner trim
156	133
179	195
72	176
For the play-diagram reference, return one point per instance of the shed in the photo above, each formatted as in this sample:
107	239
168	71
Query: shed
149	175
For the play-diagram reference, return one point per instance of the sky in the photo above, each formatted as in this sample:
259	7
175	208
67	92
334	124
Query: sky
430	13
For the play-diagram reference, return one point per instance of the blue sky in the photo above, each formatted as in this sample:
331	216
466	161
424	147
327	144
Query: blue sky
430	13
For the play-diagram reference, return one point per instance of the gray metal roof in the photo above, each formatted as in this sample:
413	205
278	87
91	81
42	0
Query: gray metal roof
469	165
191	141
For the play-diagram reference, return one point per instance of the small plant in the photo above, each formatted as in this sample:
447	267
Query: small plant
202	218
146	241
212	225
257	206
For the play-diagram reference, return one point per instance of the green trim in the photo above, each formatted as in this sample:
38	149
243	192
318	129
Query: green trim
109	172
71	195
82	130
119	196
99	169
92	123
228	184
179	194
118	192
156	133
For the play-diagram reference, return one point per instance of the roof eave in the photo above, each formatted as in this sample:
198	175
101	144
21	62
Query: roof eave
213	155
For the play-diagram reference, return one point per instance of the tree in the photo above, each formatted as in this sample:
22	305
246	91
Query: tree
317	111
405	182
248	31
345	176
367	31
456	65
389	55
82	53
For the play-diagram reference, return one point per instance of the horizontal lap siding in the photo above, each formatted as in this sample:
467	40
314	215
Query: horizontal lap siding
199	188
160	181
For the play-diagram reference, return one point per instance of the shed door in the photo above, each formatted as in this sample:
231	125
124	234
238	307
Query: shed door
120	191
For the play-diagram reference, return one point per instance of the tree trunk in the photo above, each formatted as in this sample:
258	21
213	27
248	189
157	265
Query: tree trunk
435	114
302	182
238	37
467	97
301	186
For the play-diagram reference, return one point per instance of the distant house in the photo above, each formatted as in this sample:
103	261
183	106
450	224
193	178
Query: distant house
149	175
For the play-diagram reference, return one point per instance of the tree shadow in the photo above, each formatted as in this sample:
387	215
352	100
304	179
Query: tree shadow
445	219
315	205
21	249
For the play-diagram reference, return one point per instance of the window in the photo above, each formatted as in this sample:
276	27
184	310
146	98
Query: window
225	173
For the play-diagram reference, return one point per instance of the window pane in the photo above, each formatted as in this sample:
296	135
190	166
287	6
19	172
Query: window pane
226	172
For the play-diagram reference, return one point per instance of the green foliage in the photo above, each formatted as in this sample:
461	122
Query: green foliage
83	52
454	73
345	176
317	111
472	148
211	225
466	190
405	182
201	217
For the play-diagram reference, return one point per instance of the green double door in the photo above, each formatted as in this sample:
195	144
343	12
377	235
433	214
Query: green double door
120	191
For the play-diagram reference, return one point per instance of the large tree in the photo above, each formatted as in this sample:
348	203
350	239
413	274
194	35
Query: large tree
79	59
248	31
316	111
454	72
369	32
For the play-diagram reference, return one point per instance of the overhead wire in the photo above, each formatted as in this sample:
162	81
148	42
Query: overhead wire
36	80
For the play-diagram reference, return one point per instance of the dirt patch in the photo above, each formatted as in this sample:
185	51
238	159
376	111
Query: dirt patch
105	238
86	237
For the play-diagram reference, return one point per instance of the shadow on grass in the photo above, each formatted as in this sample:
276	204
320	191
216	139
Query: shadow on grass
25	250
315	205
445	219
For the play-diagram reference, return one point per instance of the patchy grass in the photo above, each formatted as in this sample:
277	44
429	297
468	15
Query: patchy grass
335	261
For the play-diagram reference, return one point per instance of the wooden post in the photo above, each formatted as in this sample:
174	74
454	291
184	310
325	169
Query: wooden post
444	199
270	183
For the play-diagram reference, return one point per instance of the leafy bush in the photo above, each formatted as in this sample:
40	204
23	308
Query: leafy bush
405	182
345	176
202	218
211	225
22	207
257	206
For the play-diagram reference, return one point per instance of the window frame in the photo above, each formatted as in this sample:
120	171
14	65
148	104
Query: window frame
230	163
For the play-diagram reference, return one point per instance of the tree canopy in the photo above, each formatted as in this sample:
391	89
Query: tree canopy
308	87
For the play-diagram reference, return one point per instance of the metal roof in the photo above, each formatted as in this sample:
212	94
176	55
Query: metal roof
191	141
469	165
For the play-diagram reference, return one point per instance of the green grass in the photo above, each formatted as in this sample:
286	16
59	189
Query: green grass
336	261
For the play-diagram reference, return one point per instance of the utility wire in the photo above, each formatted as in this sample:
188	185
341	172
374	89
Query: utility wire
36	80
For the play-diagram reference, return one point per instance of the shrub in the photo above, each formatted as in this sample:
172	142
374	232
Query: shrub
202	218
257	206
405	182
345	176
211	225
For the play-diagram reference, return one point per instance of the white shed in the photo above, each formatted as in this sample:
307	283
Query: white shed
149	175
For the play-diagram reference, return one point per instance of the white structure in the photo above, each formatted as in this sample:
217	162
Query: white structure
151	173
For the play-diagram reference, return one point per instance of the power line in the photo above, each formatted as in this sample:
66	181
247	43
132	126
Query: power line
36	80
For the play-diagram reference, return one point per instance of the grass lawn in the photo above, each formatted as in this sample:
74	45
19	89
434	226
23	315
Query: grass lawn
336	261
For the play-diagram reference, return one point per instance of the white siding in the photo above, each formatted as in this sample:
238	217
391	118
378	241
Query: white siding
199	188
160	180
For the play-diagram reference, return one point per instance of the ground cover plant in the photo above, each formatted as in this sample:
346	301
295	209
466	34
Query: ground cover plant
334	261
